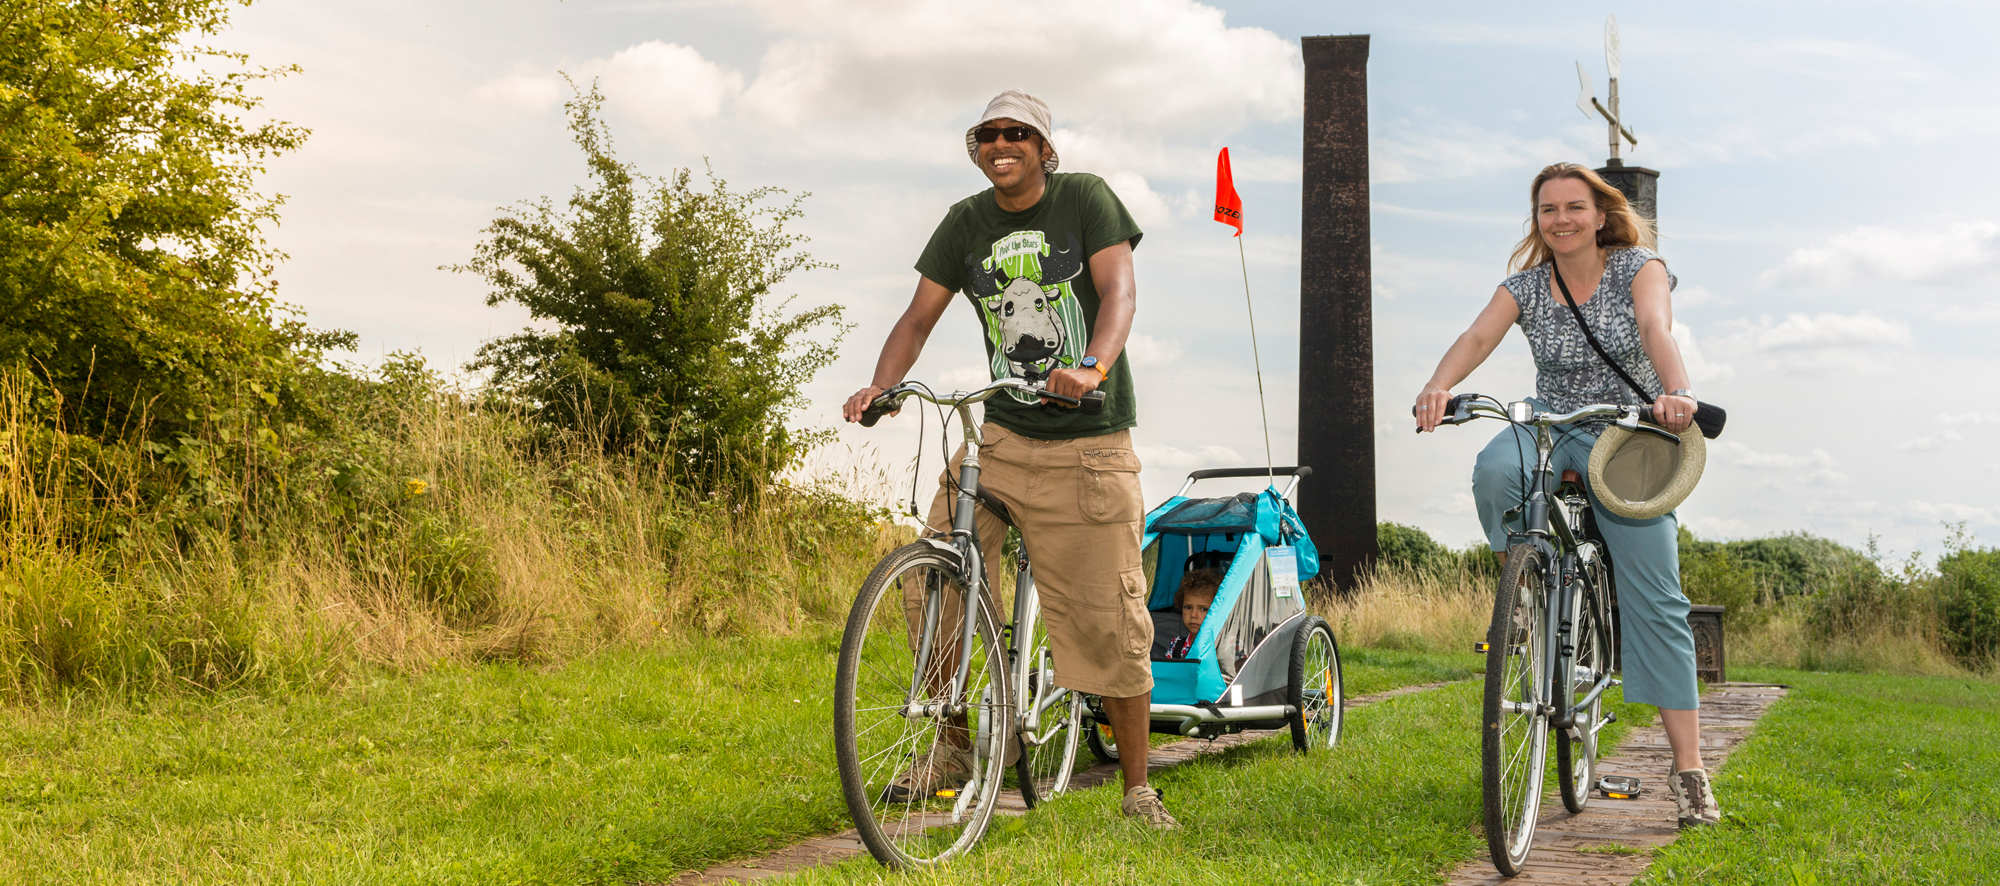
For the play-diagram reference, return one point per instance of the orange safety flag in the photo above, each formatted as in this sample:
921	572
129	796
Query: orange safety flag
1228	206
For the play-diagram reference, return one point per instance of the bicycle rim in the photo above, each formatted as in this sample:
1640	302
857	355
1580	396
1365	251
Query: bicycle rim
1576	747
875	740
1322	705
1514	741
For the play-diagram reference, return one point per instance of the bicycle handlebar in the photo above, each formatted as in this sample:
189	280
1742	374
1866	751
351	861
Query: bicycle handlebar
1467	407
891	399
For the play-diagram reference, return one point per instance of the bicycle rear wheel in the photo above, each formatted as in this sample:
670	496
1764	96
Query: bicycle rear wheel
1514	741
1576	747
1044	769
883	731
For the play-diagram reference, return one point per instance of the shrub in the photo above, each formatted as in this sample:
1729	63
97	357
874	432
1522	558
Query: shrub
1401	548
133	277
670	336
1970	604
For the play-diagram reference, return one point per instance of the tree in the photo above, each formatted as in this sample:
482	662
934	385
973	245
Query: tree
133	277
669	334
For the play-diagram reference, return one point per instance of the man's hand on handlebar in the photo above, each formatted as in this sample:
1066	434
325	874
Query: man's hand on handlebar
859	403
1432	406
1072	383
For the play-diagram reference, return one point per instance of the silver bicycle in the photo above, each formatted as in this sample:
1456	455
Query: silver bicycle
928	671
1549	651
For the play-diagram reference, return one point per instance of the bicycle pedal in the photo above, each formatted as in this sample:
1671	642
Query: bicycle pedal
1482	647
946	793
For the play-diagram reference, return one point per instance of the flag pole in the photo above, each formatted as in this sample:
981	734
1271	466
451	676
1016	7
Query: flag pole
1270	466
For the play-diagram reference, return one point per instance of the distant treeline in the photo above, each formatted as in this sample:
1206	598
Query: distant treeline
1834	590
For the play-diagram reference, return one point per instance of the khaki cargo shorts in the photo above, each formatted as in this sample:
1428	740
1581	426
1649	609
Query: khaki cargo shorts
1080	512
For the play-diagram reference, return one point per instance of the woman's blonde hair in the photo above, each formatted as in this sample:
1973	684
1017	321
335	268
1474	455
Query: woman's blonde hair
1622	225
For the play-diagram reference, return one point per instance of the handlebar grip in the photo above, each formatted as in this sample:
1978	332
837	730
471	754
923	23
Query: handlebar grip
881	407
1093	403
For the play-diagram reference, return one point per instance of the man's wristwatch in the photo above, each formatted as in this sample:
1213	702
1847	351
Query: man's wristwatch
1092	363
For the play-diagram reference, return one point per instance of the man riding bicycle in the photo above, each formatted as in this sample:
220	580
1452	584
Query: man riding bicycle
1046	260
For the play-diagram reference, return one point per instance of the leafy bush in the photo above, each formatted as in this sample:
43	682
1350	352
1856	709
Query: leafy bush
133	278
1796	563
1970	603
1400	547
670	336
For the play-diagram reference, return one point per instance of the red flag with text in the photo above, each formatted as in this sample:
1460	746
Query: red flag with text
1228	206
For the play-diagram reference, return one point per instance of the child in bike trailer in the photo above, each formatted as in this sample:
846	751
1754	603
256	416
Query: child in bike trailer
1046	261
1587	232
1192	599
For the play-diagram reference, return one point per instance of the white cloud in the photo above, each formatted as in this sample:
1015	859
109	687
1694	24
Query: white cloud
526	92
1175	460
1693	296
1408	150
1783	469
1717	527
1118	61
1146	351
1971	418
1955	253
1931	443
1701	370
1821	342
665	86
1735	453
1953	511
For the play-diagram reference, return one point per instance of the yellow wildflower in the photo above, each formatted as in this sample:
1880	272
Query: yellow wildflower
413	488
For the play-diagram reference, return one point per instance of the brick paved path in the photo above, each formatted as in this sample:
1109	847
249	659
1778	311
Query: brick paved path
1563	842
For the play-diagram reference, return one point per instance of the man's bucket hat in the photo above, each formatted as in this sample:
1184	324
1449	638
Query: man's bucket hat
1016	105
1645	473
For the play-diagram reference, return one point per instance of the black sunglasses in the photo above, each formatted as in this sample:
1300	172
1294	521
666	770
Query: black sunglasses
987	135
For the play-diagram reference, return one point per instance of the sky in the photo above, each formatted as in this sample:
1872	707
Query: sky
1823	204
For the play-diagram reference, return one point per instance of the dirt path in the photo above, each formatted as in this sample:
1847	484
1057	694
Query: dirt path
847	844
1611	842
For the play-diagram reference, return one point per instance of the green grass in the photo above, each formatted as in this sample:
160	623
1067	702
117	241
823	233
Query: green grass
626	767
1396	802
611	769
1856	779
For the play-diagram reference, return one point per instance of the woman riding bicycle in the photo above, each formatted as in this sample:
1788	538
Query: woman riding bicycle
1585	231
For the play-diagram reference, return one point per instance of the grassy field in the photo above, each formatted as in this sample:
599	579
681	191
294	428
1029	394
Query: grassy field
617	768
1857	779
1394	803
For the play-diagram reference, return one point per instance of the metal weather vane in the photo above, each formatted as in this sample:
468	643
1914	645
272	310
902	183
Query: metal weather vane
1587	101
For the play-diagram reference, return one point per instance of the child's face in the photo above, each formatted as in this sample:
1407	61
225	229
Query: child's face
1194	608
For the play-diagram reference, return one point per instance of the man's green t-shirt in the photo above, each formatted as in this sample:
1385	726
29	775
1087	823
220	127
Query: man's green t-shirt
1028	276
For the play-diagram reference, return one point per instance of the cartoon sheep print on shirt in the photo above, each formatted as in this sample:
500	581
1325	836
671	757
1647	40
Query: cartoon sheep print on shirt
1031	316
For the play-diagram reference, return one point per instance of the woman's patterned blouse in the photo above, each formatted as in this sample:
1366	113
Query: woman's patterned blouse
1568	372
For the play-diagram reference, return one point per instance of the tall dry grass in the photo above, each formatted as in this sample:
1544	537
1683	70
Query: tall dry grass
1420	610
427	527
1415	610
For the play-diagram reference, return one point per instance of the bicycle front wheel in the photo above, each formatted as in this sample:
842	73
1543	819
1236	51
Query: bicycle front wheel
1576	747
920	765
1514	745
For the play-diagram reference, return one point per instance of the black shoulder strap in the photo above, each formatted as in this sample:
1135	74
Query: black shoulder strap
1557	274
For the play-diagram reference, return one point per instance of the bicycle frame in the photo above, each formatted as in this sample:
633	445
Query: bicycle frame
1560	543
972	574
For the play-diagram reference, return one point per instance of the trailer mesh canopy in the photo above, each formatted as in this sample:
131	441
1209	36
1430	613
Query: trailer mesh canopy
1201	516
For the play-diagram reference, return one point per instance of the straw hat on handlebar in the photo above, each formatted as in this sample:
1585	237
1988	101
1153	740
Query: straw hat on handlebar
1644	473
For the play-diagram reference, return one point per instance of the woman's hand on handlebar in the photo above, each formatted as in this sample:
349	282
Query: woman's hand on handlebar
860	402
1430	409
1673	413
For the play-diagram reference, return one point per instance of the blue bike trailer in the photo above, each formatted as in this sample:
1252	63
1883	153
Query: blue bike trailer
1235	670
